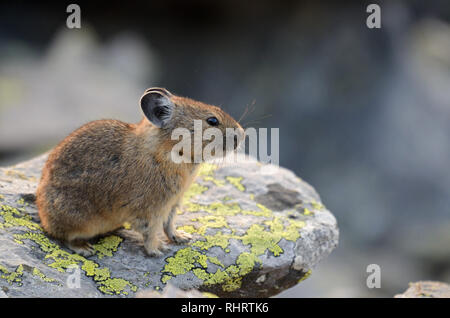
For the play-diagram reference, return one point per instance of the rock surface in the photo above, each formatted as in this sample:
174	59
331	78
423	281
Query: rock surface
258	229
171	291
426	289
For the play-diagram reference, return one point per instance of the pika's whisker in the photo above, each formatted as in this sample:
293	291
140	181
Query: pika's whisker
257	120
248	110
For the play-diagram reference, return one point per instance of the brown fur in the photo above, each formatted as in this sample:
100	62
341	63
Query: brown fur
109	172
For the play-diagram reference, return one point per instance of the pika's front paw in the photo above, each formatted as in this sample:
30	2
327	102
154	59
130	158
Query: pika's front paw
180	237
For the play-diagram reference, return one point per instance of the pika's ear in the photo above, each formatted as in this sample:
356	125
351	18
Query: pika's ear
157	107
161	90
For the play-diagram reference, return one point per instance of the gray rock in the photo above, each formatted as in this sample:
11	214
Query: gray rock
171	291
426	289
258	230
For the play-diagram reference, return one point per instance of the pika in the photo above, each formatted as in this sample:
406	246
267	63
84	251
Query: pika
109	172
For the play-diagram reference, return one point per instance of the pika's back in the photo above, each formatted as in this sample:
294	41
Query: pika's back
97	141
87	162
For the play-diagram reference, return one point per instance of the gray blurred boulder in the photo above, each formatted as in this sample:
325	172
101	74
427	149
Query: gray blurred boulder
258	230
426	289
76	80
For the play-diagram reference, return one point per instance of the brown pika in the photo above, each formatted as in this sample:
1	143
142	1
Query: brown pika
108	172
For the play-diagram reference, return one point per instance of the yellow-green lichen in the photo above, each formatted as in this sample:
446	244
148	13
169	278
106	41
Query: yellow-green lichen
306	211
60	259
260	237
147	275
165	278
316	205
307	274
218	239
208	277
291	232
206	169
184	260
228	279
188	259
231	278
217	182
206	172
210	222
36	272
107	245
223	209
193	190
15	174
116	286
12	276
236	182
260	240
188	229
227	209
246	262
232	284
13	217
263	211
19	175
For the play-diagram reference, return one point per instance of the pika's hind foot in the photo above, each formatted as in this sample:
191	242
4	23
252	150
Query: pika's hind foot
164	247
81	247
154	252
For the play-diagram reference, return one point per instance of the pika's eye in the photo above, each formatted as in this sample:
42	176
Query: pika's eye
213	121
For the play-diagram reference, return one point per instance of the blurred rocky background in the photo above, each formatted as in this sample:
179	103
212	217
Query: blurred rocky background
364	114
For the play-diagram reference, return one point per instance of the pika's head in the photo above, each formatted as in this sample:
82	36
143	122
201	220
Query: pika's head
177	116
